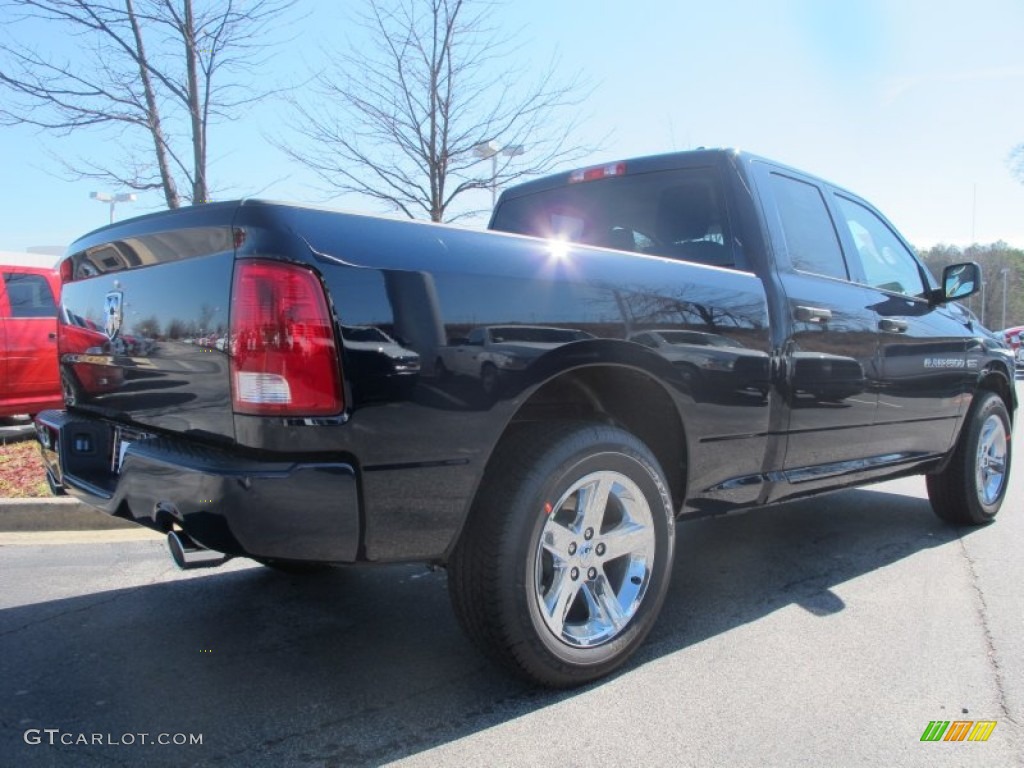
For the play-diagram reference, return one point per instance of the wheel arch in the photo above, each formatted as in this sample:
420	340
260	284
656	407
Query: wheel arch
628	397
995	379
991	379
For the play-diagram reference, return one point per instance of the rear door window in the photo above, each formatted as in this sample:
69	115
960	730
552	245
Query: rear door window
28	296
811	238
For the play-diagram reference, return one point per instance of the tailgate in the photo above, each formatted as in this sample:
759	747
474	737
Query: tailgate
144	322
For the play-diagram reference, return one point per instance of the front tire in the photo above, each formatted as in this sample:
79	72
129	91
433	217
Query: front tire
490	379
70	388
971	488
565	561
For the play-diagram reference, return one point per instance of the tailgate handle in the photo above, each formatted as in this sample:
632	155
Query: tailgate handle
52	336
813	315
893	326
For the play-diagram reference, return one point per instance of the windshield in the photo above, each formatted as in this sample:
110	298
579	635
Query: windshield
365	333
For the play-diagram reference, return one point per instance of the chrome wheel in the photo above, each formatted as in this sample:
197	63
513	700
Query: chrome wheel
990	463
969	489
489	379
566	558
594	558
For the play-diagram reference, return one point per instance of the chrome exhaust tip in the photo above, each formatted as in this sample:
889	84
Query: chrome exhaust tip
188	555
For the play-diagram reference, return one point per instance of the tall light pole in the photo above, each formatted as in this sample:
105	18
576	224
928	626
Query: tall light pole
490	149
121	197
1005	272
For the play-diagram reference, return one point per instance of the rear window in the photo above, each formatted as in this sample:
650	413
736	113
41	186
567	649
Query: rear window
680	214
29	295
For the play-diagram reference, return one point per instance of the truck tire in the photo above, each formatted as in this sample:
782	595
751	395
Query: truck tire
441	372
970	490
567	554
70	388
490	379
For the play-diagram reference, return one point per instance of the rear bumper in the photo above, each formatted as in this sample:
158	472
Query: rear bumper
286	510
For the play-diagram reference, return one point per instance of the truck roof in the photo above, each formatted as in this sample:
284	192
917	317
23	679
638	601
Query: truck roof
645	164
694	158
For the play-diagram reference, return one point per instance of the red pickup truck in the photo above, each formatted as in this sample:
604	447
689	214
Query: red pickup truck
1013	337
29	381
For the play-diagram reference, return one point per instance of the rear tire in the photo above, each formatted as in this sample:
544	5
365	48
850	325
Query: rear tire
971	488
565	560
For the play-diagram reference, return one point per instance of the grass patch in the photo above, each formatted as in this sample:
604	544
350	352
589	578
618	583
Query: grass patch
22	475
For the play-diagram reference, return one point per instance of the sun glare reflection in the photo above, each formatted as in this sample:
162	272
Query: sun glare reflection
559	250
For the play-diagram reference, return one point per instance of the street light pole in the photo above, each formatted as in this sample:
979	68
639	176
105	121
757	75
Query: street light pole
490	149
1005	272
121	197
494	180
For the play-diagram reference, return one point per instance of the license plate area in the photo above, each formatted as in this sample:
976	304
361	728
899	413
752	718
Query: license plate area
123	437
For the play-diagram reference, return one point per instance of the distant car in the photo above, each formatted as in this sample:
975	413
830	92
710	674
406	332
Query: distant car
1014	337
492	352
721	364
29	381
381	366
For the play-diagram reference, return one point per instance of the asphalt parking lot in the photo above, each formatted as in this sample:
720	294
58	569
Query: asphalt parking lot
824	632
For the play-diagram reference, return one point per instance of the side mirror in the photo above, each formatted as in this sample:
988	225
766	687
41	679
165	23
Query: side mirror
959	281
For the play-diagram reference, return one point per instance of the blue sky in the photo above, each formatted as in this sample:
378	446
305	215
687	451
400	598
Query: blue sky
912	104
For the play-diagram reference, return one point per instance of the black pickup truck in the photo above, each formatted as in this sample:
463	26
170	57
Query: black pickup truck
641	342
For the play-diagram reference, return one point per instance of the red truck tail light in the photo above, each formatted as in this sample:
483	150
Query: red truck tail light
66	270
284	359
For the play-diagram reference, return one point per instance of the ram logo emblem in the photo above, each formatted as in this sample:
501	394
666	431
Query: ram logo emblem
113	311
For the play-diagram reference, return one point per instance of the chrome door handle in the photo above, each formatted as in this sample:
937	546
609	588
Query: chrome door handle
813	314
892	326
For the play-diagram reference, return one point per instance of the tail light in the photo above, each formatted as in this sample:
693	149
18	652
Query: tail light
66	270
284	359
597	172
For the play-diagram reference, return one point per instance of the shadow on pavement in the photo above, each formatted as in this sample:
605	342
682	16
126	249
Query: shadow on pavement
357	667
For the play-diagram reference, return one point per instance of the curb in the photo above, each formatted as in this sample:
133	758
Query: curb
17	432
57	514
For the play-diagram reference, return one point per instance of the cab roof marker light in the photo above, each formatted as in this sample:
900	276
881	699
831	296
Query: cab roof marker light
597	172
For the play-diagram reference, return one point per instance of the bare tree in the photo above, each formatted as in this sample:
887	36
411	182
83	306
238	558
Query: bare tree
430	109
150	72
